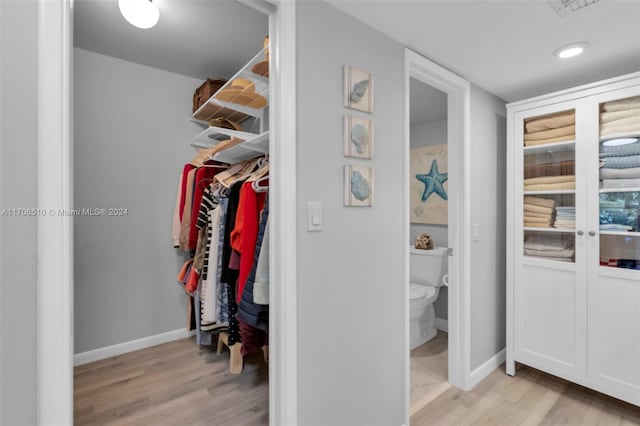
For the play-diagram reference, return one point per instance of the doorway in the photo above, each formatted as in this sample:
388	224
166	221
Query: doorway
55	234
428	191
444	89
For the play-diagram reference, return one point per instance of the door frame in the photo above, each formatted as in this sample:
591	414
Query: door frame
54	367
458	92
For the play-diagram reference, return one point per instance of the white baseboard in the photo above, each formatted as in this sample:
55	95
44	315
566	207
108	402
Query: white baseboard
130	346
485	369
442	324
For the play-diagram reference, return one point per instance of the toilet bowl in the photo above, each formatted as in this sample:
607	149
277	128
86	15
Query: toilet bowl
427	275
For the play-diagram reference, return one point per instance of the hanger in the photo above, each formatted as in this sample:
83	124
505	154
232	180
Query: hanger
261	171
256	184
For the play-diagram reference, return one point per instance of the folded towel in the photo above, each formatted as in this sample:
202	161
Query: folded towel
620	150
551	133
550	169
537	215
559	259
537	201
538	209
606	117
566	138
622	104
567	253
550	179
621	183
553	121
631	173
530	219
553	186
537	225
622	162
615	227
629	124
547	244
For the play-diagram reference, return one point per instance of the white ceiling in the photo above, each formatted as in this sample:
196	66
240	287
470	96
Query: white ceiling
506	46
197	38
426	103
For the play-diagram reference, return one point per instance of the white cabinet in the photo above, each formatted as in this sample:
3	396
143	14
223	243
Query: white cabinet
573	267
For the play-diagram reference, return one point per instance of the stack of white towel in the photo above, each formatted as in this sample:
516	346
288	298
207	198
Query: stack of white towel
552	247
565	217
620	165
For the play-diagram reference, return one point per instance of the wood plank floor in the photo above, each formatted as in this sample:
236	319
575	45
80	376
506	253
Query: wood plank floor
177	383
180	384
530	398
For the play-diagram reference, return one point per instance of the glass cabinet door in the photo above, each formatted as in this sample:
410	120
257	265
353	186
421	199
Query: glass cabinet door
619	197
549	207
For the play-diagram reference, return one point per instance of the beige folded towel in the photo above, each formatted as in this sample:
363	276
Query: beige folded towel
606	117
551	133
545	220
622	104
537	201
550	179
550	186
561	119
538	215
566	138
536	225
538	209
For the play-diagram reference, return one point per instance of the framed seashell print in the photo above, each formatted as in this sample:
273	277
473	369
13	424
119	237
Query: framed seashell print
358	186
358	137
358	89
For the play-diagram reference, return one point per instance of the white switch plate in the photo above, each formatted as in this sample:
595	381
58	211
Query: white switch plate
314	216
475	232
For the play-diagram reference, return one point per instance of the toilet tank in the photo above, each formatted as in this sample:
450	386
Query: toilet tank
428	266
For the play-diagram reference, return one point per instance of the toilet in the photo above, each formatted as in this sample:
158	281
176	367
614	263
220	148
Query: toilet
427	274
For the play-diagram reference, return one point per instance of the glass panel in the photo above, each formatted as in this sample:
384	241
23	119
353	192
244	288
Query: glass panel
549	212
620	183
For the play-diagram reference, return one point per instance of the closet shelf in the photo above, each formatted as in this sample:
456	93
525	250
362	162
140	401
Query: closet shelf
552	230
237	104
212	135
250	148
550	148
553	192
609	190
632	135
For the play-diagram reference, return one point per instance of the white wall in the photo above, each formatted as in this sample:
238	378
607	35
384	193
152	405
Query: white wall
488	210
432	133
132	128
350	276
18	139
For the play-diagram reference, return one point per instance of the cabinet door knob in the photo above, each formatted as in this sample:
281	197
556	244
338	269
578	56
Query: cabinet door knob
592	233
580	232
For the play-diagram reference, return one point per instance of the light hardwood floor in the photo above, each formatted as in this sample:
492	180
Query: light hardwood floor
179	384
529	398
172	384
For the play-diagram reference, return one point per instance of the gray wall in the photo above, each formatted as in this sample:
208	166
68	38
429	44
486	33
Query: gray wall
488	210
18	133
432	133
132	129
350	276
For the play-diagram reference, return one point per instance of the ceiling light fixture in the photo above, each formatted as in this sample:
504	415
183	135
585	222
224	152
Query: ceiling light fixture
620	141
139	13
571	50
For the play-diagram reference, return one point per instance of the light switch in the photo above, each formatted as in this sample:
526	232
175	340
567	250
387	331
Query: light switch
314	216
475	232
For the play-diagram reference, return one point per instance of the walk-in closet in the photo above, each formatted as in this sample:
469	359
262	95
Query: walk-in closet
171	229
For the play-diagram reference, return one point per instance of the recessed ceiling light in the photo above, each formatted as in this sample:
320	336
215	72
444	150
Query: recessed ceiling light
620	141
571	50
139	13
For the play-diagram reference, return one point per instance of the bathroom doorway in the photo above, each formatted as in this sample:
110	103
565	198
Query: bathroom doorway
437	131
428	193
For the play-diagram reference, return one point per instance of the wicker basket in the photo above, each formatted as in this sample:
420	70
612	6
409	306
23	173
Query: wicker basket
206	90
